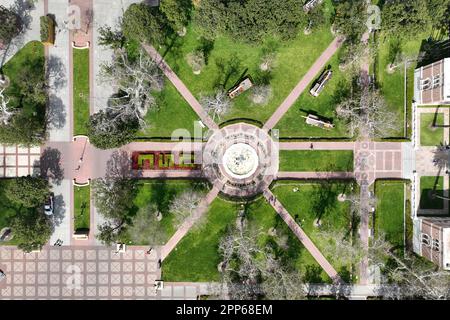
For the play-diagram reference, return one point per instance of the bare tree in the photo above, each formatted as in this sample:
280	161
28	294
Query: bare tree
261	94
339	247
5	112
135	81
183	206
145	228
408	277
250	271
367	114
216	105
196	61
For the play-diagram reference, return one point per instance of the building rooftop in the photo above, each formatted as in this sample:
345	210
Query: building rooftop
432	83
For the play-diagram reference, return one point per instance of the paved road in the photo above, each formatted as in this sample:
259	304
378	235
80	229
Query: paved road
335	145
318	66
59	70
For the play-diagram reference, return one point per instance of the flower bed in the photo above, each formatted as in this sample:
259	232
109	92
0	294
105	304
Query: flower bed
159	160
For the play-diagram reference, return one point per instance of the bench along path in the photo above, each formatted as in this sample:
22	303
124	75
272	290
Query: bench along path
301	86
181	87
301	235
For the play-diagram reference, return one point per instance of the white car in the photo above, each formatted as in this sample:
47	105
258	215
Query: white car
48	206
2	276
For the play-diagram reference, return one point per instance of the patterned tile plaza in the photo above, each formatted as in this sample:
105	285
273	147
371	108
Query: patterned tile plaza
79	273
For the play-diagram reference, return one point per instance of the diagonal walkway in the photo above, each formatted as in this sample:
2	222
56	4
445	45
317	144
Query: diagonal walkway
187	225
182	89
301	235
301	86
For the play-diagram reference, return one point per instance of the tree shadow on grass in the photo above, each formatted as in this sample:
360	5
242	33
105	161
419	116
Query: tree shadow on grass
227	69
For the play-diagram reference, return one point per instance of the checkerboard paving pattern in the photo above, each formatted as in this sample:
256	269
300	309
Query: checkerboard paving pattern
79	273
16	161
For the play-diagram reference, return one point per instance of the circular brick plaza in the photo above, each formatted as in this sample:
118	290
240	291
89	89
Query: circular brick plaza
241	157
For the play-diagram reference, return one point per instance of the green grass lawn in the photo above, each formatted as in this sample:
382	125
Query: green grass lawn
427	184
316	160
196	256
389	211
173	113
392	84
80	91
285	244
228	60
160	193
292	125
82	201
314	201
430	135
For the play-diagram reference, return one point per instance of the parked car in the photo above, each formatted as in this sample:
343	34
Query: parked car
2	276
48	206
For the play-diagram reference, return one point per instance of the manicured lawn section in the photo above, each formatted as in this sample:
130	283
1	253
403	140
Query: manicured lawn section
82	201
292	125
80	91
196	257
392	85
173	113
315	200
8	211
263	217
430	135
160	193
227	60
389	211
316	160
427	184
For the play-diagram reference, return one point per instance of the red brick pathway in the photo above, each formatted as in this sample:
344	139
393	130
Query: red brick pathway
301	235
181	87
304	82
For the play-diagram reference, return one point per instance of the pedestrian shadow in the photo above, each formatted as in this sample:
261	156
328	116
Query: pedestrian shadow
56	115
50	165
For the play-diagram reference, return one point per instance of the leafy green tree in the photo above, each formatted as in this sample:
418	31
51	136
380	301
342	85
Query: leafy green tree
350	19
251	20
439	11
145	24
113	198
106	132
111	38
10	25
178	12
32	229
405	18
30	192
27	95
